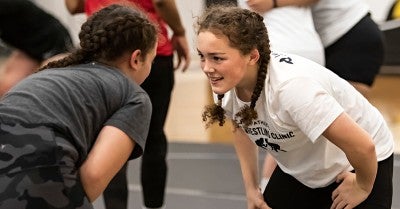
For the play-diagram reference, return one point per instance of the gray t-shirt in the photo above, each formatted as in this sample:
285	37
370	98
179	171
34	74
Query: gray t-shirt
77	102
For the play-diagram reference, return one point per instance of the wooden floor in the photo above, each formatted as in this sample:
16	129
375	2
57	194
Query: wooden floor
191	93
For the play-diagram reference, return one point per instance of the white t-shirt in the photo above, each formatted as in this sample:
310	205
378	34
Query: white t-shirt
299	101
334	18
291	29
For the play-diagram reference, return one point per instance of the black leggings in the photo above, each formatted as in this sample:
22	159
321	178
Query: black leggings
285	192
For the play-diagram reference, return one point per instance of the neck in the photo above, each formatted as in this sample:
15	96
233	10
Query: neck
245	89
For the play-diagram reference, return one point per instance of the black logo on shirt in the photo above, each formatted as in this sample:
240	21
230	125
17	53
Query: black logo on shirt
286	59
283	58
263	142
264	134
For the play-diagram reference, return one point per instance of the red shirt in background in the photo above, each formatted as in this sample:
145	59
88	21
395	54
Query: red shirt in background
164	44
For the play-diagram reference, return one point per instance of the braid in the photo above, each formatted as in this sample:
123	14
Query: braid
213	113
74	58
108	34
247	114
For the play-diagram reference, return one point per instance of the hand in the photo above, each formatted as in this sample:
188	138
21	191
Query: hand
255	200
348	194
180	45
260	6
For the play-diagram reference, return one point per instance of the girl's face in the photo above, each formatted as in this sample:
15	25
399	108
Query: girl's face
225	66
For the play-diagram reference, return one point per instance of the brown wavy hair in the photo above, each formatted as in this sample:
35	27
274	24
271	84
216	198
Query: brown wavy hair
108	34
245	31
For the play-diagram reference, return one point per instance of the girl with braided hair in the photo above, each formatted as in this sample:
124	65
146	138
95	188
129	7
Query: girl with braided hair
66	130
332	147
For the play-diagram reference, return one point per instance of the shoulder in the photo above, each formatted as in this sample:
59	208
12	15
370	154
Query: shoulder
285	66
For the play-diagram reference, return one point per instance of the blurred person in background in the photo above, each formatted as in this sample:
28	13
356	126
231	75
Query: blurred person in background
354	44
35	37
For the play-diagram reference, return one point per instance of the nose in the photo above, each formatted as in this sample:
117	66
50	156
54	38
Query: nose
207	68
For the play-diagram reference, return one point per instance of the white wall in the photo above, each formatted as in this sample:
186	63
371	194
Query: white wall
189	10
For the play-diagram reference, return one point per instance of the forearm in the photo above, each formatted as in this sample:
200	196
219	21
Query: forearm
247	153
365	165
269	166
110	152
358	146
169	13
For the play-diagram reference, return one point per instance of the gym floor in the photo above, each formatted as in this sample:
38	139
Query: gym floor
206	175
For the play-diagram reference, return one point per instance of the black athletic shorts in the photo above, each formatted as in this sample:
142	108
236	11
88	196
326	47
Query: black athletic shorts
358	55
25	26
285	192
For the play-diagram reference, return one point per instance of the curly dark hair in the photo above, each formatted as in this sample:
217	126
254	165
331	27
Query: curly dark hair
246	31
109	33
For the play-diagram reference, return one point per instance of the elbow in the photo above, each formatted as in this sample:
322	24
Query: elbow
94	177
364	152
369	148
90	177
93	183
371	153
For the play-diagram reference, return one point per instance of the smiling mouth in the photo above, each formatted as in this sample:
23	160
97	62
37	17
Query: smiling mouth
215	79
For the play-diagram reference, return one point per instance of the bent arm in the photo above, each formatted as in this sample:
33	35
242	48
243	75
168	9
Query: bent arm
358	146
109	153
247	153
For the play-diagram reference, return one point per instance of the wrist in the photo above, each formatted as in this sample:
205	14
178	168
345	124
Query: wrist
365	186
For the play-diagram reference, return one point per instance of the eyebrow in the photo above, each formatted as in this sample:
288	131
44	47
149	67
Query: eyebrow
212	53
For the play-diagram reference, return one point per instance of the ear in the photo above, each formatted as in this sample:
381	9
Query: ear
135	60
254	56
